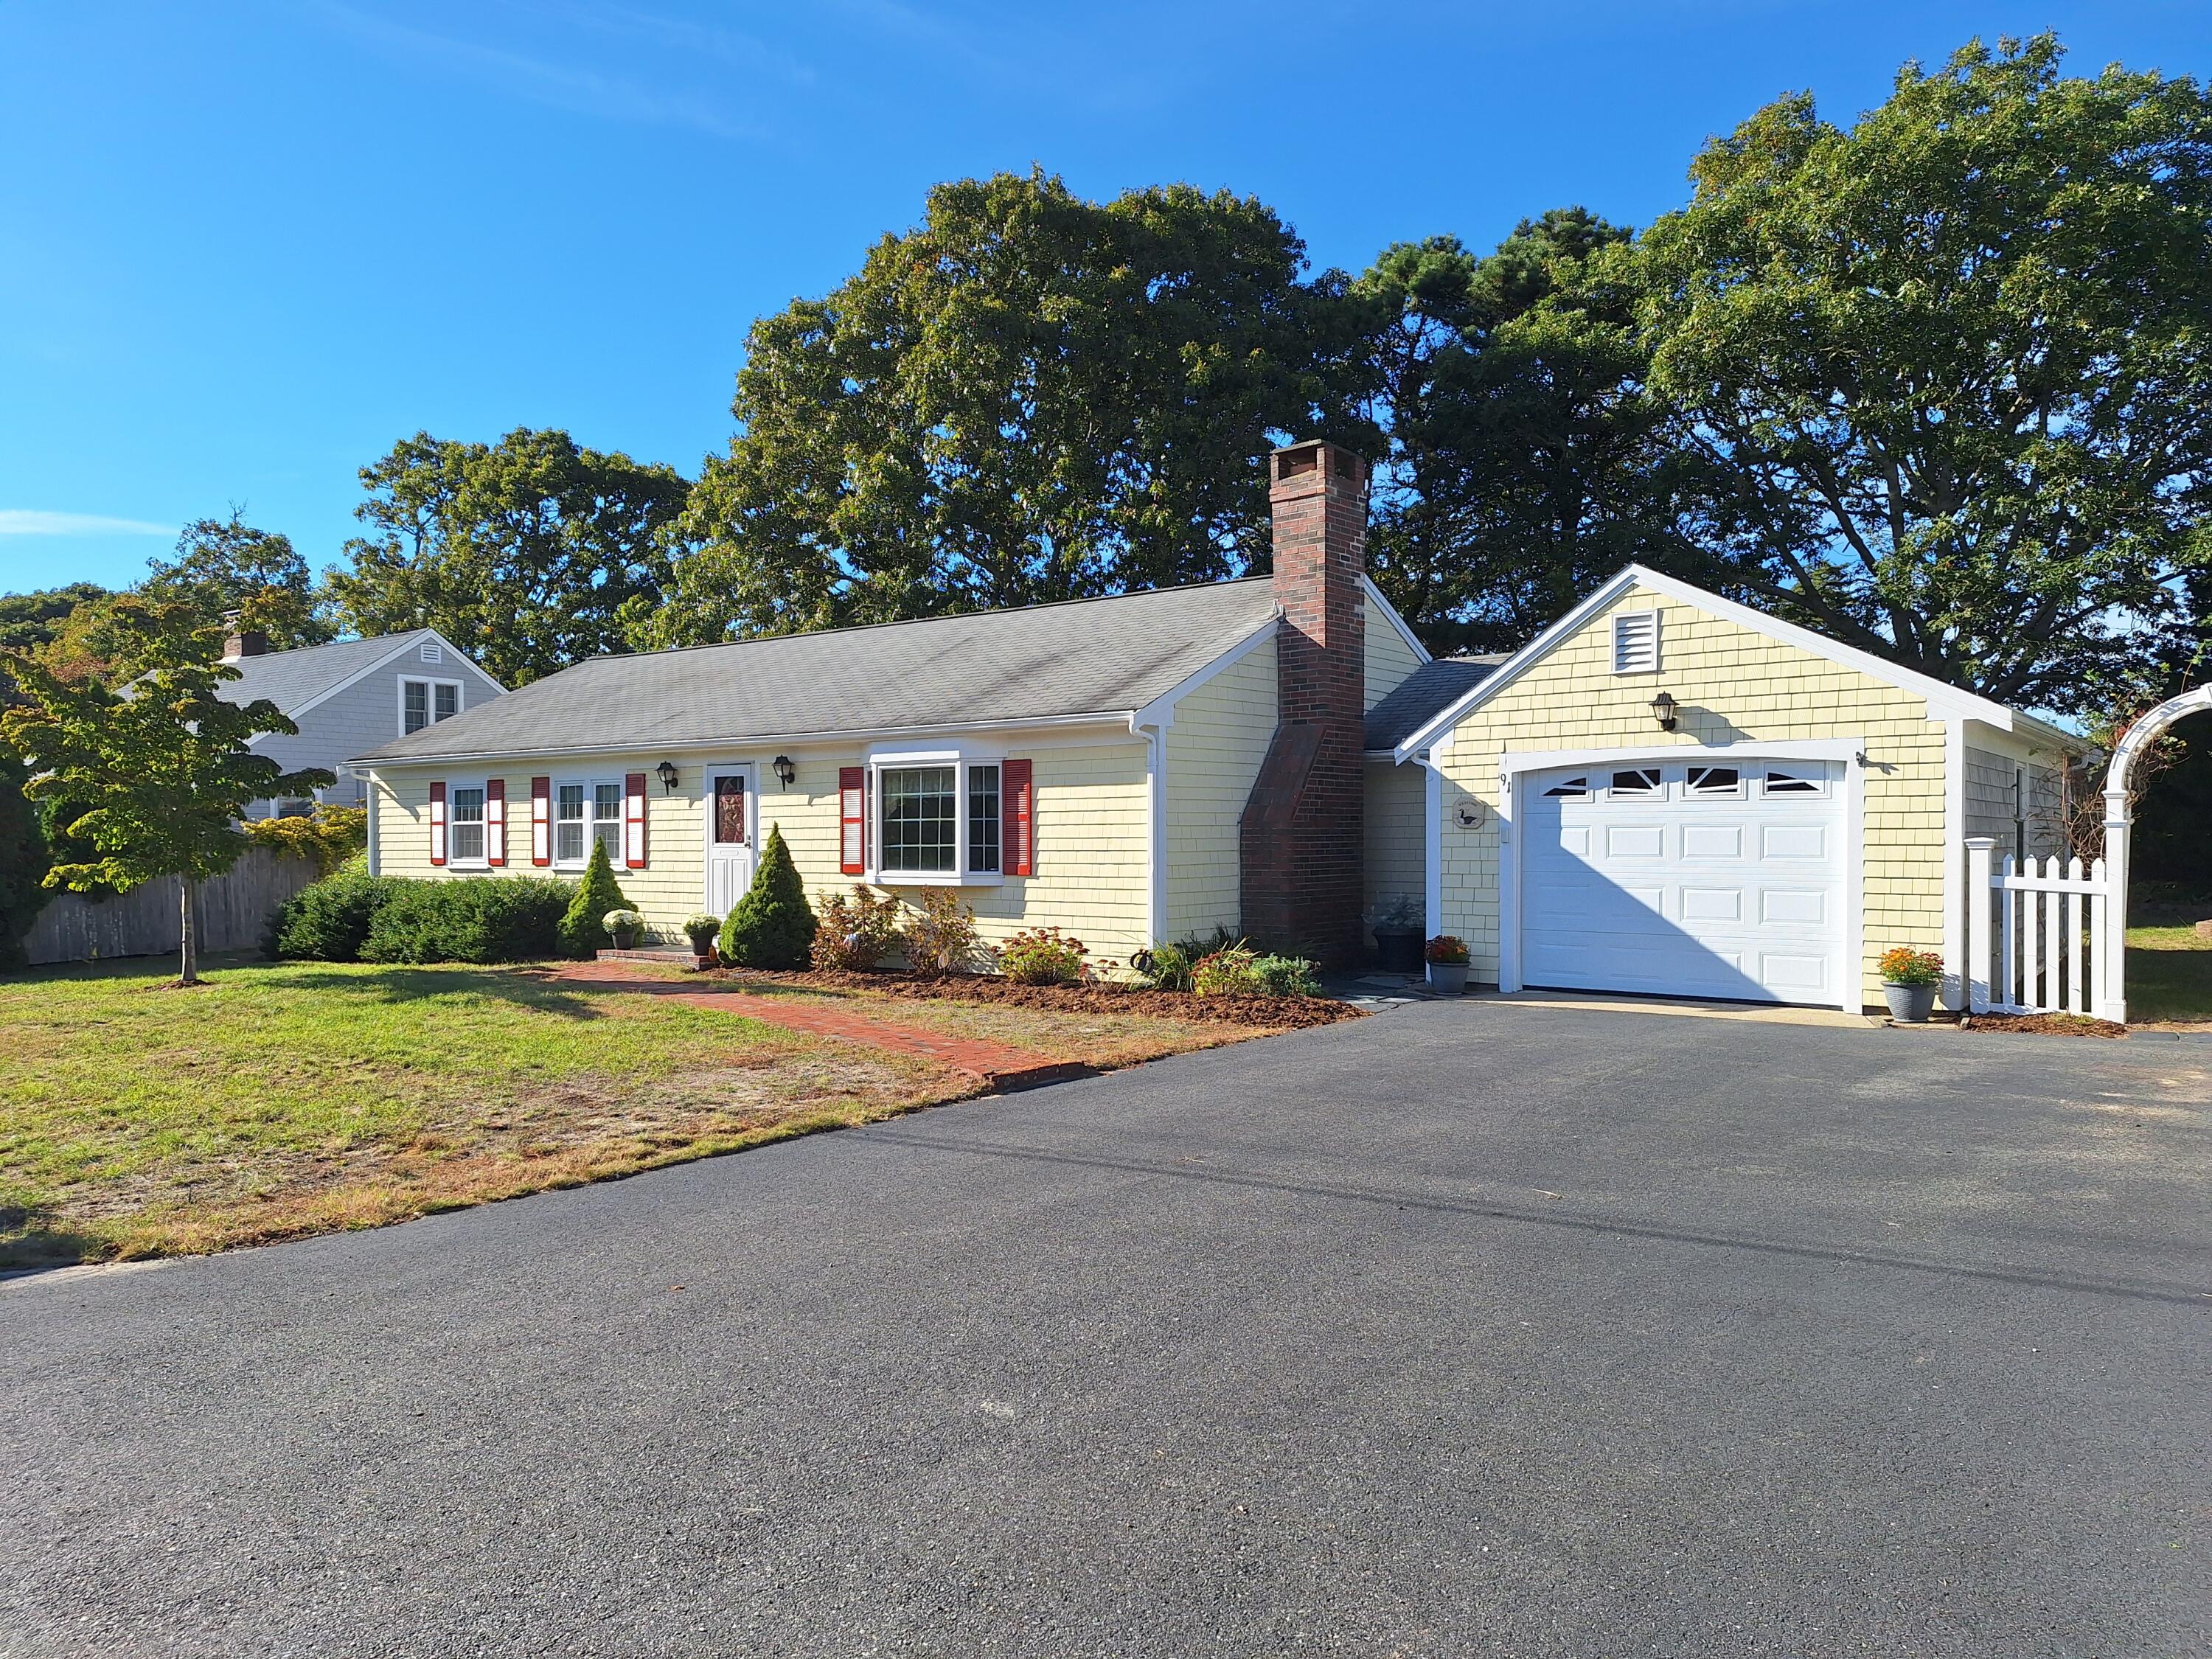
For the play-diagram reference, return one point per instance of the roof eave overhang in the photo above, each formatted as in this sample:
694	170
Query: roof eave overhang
1115	717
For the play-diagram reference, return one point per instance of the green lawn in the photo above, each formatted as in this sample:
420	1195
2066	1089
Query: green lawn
282	1100
2169	974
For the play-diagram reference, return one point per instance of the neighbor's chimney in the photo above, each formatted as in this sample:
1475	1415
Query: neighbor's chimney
242	642
1302	833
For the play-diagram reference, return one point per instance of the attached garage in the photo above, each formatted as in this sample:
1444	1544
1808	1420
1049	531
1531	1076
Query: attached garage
1668	794
1713	878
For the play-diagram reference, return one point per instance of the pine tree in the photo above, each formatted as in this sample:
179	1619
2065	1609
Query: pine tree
582	933
773	926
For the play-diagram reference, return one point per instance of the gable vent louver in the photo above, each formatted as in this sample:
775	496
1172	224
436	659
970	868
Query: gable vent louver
1635	642
433	652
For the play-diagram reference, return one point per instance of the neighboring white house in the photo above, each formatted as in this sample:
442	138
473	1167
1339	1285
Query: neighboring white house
349	696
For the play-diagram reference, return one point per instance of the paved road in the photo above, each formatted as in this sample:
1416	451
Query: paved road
1469	1329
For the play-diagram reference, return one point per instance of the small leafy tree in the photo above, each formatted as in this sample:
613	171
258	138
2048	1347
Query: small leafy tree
773	926
941	938
155	776
856	934
581	929
23	864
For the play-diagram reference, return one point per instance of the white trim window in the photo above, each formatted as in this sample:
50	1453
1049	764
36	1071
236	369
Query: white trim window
572	829
425	702
939	820
607	818
464	826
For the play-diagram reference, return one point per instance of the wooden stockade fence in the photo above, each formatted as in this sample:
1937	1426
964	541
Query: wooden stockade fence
232	914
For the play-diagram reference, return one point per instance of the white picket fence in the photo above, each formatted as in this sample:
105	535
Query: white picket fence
2039	940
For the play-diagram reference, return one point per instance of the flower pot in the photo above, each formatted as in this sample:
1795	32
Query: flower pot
1398	950
1449	978
1910	1005
625	937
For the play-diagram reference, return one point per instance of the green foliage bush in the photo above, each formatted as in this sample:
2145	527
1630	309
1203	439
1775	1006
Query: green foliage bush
1285	976
773	926
582	931
328	920
856	933
1043	955
1168	966
23	864
477	918
941	938
1227	973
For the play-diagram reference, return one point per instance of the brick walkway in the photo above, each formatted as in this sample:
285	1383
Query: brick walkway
995	1066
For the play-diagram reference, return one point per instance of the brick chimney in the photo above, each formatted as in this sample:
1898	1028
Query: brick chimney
1302	832
242	642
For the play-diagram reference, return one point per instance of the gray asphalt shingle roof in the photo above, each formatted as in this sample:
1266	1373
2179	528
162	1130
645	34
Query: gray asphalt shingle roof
1088	656
1422	695
289	678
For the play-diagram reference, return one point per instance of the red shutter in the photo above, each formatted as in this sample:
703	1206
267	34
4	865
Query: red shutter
437	824
541	820
634	820
853	820
495	821
1017	806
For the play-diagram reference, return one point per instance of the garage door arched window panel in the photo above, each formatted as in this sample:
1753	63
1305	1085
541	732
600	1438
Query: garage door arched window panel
1714	783
1565	786
1809	780
1636	783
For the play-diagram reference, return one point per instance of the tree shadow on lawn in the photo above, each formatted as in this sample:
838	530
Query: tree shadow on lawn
525	986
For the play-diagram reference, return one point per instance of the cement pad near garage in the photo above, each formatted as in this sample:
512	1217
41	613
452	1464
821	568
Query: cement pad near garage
1755	1013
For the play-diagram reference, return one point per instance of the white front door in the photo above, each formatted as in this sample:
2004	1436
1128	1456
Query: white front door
729	836
1697	880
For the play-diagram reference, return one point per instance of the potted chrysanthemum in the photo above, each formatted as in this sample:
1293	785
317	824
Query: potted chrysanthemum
702	930
1447	958
1908	982
622	926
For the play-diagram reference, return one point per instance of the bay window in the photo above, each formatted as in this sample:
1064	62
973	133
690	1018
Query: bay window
939	820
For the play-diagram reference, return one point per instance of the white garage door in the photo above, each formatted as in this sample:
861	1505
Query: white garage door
1686	880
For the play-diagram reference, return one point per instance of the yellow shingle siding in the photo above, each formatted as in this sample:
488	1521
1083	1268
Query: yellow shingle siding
1396	860
1388	659
1091	830
1734	685
1214	750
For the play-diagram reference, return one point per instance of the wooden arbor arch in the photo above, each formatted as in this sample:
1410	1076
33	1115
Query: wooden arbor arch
2119	817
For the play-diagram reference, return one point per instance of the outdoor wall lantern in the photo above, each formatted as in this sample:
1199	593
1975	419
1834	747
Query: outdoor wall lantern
666	773
785	771
1663	706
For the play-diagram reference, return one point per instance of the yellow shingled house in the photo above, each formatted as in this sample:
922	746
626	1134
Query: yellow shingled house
1664	792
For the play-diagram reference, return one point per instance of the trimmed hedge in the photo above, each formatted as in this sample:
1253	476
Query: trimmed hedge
355	917
327	920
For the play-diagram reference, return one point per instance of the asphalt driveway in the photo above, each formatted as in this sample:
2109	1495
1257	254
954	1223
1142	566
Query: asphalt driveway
1464	1329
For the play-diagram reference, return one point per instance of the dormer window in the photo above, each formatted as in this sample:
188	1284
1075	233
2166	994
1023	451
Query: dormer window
422	702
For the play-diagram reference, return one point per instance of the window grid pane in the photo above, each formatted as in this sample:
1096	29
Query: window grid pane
920	818
569	824
607	814
417	695
449	701
466	828
983	819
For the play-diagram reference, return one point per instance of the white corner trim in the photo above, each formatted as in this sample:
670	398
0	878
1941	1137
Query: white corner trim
1376	601
1944	702
1159	713
376	798
1156	779
1432	846
1955	979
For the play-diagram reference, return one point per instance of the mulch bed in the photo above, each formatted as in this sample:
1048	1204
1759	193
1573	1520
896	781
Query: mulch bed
2043	1024
1276	1013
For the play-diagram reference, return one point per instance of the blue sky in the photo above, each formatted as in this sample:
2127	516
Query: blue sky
246	244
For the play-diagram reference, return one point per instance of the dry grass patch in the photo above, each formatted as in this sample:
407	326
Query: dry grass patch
283	1100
